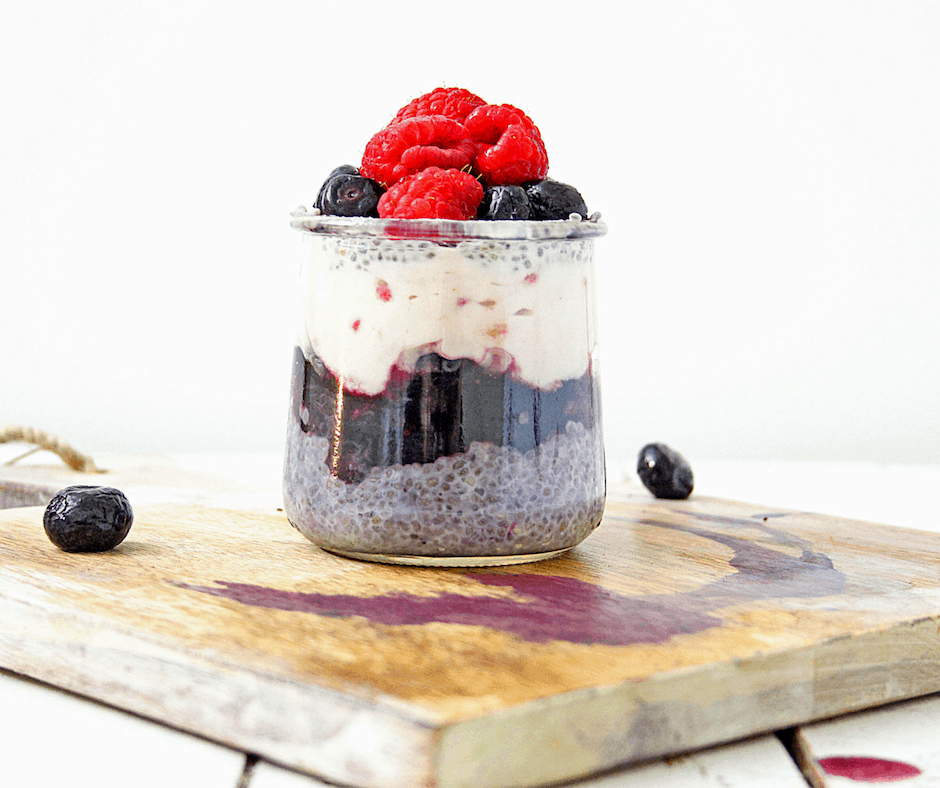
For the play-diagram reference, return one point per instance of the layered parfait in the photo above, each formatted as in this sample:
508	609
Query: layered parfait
444	395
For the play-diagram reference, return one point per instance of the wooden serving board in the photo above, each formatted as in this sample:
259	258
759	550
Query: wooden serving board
675	626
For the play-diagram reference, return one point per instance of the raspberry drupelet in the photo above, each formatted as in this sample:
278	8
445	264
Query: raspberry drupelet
454	103
433	193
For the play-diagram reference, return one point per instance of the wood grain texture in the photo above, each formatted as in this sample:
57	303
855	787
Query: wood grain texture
677	625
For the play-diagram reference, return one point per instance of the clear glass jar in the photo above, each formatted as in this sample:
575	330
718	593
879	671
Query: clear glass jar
445	407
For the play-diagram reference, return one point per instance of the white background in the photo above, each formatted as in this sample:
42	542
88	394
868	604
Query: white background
769	171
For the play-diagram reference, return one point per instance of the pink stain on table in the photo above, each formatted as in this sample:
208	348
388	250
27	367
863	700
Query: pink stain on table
868	770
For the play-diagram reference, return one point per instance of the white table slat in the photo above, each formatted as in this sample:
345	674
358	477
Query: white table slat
52	738
267	775
761	762
891	744
757	763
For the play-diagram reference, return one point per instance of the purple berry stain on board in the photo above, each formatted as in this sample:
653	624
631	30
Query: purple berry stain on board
868	770
544	608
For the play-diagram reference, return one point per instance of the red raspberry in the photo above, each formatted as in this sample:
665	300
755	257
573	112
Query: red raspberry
510	147
454	103
408	147
433	193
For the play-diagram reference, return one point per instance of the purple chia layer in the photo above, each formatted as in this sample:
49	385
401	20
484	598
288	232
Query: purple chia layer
488	501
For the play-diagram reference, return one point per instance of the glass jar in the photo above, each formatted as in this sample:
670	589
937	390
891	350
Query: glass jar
445	407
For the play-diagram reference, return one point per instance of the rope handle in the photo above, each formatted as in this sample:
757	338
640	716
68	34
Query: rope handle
42	440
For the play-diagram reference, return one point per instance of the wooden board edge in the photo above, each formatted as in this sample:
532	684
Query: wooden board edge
555	739
307	727
19	495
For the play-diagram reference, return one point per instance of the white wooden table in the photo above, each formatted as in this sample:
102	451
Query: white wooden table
51	738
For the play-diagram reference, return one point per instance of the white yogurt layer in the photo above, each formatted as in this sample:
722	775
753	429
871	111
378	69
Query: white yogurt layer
370	303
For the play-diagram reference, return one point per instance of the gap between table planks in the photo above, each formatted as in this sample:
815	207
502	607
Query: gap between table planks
677	625
894	743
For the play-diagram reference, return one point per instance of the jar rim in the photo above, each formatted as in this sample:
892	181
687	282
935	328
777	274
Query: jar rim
448	229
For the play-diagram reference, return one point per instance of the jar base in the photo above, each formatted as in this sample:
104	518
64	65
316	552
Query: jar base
449	561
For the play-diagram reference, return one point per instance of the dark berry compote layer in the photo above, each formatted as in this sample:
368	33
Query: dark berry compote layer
450	459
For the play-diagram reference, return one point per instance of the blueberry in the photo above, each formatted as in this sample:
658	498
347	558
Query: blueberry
549	199
664	472
343	169
346	193
504	202
87	519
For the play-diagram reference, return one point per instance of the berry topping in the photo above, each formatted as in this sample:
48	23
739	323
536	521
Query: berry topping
347	193
343	169
664	472
454	129
433	193
415	144
504	202
510	147
453	103
87	519
550	199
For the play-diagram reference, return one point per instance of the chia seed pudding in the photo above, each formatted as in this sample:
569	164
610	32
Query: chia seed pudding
444	396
